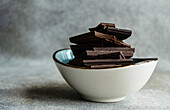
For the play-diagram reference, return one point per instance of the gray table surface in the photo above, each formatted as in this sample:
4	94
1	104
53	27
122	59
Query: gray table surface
26	84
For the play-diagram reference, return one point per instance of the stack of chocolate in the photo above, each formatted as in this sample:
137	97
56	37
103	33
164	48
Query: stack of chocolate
102	47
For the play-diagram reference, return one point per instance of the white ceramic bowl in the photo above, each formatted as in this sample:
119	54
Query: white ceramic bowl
104	85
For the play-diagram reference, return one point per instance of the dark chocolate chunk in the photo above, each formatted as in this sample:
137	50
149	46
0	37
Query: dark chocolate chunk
116	63
77	49
97	37
105	61
110	29
105	46
104	66
102	26
121	34
90	54
106	25
76	62
82	62
114	49
98	54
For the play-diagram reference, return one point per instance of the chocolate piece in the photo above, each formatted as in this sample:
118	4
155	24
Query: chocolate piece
76	62
90	54
98	54
101	66
88	63
116	63
105	61
104	66
105	46
121	34
114	49
102	26
106	25
97	37
77	49
110	29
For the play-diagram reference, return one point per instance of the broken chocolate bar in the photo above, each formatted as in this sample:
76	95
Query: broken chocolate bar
106	61
82	62
104	66
98	55
120	34
114	49
78	49
102	26
76	62
108	65
90	54
97	37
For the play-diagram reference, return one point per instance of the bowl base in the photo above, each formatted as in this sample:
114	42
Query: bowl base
116	99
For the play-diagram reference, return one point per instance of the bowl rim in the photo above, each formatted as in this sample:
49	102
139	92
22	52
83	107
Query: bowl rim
146	60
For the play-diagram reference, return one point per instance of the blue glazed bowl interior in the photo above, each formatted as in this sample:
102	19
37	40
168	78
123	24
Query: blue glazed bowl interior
64	56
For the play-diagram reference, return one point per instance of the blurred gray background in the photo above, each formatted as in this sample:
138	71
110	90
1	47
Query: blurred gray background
31	30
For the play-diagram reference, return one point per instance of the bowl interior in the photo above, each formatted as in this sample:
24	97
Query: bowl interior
64	56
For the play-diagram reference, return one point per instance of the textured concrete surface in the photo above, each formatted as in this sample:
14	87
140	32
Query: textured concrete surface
40	86
31	30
